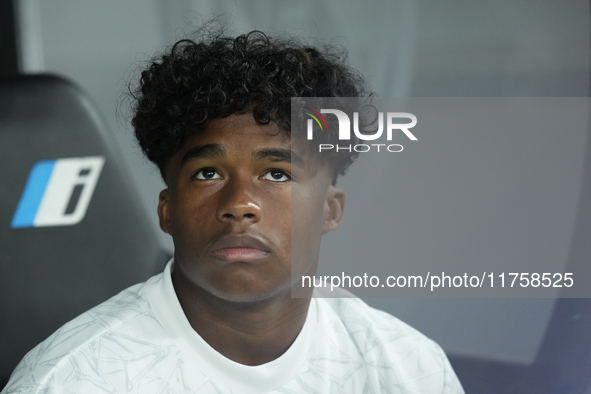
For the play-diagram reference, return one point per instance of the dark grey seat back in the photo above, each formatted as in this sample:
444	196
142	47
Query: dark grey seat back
72	229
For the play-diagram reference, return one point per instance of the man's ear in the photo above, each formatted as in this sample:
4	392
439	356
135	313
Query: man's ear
164	211
334	209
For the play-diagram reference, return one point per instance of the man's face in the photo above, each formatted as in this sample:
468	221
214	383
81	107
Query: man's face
229	208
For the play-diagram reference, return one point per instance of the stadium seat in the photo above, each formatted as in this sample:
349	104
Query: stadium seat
72	229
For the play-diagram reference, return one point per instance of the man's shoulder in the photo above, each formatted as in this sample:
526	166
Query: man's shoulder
357	316
85	338
392	349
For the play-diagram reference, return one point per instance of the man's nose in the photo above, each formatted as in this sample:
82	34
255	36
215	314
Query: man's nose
239	201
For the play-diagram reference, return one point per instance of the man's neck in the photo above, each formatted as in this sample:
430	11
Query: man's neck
250	333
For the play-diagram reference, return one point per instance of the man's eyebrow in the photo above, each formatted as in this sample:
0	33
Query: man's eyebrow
273	154
203	151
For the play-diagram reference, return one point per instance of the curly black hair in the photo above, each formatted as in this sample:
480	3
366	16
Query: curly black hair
218	75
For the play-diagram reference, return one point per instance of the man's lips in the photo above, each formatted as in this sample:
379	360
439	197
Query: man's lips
239	248
239	254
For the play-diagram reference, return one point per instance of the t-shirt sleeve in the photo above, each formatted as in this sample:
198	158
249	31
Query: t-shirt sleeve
30	376
451	383
400	358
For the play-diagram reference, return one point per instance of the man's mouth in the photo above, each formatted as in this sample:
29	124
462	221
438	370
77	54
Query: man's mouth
234	248
239	254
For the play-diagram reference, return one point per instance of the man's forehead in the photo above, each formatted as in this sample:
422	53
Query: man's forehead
263	153
241	136
243	128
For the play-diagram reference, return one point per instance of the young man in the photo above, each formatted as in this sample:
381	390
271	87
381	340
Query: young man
214	115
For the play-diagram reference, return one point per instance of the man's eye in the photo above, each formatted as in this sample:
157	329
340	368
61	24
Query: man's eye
276	176
207	174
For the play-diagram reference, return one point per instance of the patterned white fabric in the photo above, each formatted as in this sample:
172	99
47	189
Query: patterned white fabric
140	342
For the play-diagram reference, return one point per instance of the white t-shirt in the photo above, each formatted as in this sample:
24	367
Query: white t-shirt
140	341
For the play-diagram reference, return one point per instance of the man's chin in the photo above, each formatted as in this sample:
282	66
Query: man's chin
249	295
237	283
